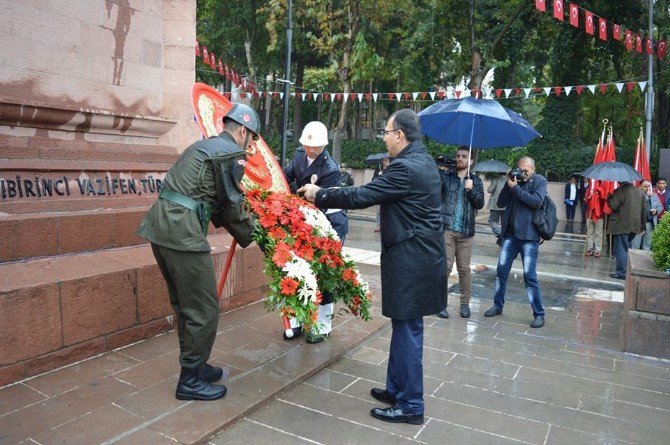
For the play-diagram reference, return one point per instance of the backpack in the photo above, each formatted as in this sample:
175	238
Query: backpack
545	219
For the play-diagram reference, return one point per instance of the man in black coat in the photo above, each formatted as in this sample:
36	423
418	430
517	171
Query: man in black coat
413	265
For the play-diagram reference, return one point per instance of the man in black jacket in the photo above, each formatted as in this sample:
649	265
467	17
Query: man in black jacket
462	196
412	259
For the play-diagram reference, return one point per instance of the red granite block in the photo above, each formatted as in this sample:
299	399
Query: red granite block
152	294
140	332
243	299
27	237
252	268
98	305
125	228
79	233
31	322
11	373
64	356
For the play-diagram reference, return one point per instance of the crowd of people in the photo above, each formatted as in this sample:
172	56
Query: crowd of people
426	221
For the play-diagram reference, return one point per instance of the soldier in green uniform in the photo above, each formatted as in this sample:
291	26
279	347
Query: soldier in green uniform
203	184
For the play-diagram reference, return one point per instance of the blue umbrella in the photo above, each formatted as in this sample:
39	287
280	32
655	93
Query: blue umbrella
479	123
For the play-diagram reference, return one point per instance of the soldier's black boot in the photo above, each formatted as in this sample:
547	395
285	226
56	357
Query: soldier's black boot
209	373
192	387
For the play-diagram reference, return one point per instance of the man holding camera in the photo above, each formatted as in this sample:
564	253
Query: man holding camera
462	196
522	195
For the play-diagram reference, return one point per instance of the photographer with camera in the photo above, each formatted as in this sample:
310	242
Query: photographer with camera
462	196
522	195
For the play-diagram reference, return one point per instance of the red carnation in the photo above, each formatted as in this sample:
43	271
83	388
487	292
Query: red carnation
288	286
282	254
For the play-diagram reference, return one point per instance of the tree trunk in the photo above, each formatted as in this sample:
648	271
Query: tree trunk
297	104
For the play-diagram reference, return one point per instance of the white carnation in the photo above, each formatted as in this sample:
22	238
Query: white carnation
319	222
300	270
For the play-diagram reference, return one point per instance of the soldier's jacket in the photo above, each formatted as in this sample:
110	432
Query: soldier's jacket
208	171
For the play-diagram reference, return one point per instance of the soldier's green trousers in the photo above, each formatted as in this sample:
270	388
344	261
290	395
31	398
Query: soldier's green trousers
192	288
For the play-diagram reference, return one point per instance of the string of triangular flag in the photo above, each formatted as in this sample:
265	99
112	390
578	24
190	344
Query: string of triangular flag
631	39
453	93
210	59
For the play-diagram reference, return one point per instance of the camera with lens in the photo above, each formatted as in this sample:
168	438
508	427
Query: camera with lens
445	161
517	173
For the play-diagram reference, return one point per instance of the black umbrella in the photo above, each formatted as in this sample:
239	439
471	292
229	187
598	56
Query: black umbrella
376	158
612	171
491	166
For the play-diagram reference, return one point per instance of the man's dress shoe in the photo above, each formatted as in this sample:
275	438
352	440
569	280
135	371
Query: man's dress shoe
382	395
396	415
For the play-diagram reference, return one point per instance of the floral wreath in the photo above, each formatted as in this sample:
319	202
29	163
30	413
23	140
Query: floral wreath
303	258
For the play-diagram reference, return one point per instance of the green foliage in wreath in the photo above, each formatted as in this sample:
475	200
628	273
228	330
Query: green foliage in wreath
660	244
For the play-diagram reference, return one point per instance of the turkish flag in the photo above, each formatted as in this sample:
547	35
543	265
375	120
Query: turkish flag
579	89
212	60
602	26
558	10
638	43
574	15
640	162
588	18
650	46
205	55
661	48
616	33
629	40
197	49
540	5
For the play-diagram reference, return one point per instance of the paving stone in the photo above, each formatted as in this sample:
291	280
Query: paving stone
97	426
78	374
145	436
487	420
17	396
309	424
330	380
440	432
152	401
242	431
561	436
152	371
152	348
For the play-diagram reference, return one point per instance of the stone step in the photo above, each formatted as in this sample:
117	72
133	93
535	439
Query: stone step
60	309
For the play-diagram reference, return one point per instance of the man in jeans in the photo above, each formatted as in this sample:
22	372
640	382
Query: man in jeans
462	196
522	195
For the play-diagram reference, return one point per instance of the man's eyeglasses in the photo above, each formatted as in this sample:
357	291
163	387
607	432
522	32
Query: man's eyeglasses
385	132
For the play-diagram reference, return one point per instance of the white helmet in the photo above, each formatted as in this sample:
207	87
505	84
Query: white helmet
315	134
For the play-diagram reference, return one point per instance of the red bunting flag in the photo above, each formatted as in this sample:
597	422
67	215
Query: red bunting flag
423	95
661	48
212	60
650	46
557	90
588	18
603	88
579	89
630	86
574	15
220	67
558	10
197	49
540	5
638	43
602	26
205	55
616	32
499	92
368	96
629	40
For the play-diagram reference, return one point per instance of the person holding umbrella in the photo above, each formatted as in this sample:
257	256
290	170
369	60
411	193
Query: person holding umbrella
462	196
522	195
629	214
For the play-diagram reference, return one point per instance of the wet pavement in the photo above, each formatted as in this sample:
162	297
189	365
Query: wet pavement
487	380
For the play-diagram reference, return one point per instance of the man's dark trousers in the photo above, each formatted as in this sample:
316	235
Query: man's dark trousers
404	376
622	242
192	288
